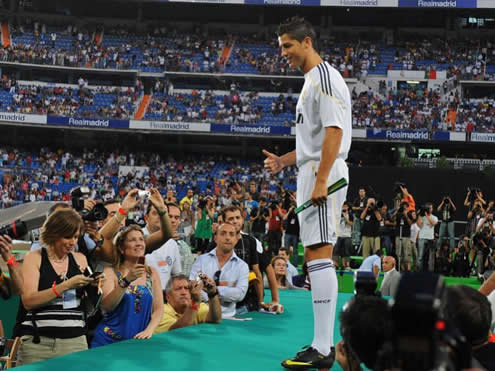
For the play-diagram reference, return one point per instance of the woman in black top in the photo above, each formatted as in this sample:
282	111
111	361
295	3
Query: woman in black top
54	323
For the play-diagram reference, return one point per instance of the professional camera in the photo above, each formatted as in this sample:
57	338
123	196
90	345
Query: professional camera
15	230
402	207
471	191
98	212
422	339
397	187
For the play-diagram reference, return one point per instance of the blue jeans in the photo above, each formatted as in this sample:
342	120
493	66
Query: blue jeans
446	228
426	254
291	240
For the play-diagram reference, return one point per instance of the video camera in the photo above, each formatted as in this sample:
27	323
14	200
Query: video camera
97	213
421	338
15	230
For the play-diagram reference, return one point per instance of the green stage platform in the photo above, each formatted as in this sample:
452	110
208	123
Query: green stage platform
259	344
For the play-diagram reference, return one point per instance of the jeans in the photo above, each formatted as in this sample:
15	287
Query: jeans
426	255
446	228
291	240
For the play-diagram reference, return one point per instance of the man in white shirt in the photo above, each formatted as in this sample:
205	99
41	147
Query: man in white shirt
230	273
166	259
426	249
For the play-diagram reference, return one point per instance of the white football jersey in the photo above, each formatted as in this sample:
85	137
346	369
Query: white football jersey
324	101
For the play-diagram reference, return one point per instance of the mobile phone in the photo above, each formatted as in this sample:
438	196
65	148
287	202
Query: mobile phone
96	274
141	260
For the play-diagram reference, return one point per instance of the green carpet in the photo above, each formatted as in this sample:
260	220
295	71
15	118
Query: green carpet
259	344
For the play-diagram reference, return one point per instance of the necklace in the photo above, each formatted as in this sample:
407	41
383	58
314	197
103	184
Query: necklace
53	258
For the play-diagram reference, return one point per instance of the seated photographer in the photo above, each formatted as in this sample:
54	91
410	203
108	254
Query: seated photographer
13	284
365	326
166	260
373	263
370	219
132	295
461	266
229	272
443	259
51	319
184	307
470	312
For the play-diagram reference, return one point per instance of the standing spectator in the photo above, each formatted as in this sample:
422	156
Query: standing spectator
187	222
259	219
204	221
189	197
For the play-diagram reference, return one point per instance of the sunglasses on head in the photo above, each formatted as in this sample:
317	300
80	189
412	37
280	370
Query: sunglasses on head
216	277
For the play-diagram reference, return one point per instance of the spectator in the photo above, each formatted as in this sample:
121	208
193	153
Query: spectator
132	295
203	231
391	277
53	271
279	265
228	271
291	270
184	307
260	217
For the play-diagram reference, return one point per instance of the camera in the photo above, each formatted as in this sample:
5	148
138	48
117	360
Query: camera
423	210
97	213
143	194
16	229
471	191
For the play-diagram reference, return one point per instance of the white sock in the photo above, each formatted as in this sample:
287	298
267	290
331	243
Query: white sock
324	287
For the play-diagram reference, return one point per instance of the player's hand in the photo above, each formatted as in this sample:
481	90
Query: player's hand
273	163
320	194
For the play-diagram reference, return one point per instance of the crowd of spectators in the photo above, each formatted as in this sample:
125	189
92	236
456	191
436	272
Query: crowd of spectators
83	101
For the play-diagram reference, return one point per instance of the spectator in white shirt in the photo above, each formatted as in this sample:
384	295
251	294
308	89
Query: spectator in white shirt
426	249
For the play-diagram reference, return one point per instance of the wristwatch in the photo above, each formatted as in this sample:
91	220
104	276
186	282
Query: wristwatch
124	282
211	296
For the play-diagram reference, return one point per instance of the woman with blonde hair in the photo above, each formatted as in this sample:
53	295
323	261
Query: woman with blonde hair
51	321
132	296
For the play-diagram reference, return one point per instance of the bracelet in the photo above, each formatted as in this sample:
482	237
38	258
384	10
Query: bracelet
162	213
194	306
123	212
211	296
12	261
124	282
54	289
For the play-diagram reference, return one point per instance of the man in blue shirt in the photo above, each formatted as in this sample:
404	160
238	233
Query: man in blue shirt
373	263
229	272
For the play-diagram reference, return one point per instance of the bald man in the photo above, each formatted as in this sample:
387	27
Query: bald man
391	278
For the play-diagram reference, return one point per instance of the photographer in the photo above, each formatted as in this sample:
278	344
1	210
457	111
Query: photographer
473	217
365	326
204	217
358	206
343	247
386	230
405	196
184	307
473	195
259	218
13	284
447	211
370	219
275	215
461	266
483	241
403	222
426	248
291	226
